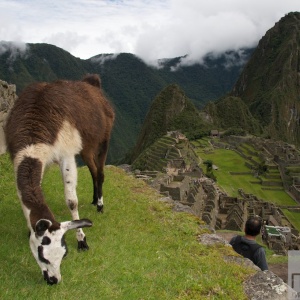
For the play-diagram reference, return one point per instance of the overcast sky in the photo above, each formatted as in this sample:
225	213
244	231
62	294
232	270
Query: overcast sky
151	29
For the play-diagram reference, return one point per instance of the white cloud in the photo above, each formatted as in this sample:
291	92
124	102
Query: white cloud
14	48
150	29
102	58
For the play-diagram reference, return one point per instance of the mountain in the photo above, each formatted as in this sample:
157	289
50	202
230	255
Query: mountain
270	82
128	82
170	110
233	115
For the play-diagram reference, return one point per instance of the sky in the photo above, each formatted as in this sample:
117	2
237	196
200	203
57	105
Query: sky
150	29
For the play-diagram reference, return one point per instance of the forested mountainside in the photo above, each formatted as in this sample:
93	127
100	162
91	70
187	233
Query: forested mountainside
266	98
170	110
129	83
263	98
270	82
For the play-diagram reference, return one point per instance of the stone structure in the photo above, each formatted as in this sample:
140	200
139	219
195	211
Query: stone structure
7	98
277	155
194	193
186	185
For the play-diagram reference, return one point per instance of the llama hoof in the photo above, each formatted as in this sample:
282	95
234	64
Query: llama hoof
82	245
94	202
100	208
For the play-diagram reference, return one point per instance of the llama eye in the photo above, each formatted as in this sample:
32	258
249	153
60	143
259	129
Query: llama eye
46	240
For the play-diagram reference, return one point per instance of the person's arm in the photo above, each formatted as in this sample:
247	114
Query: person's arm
260	258
232	240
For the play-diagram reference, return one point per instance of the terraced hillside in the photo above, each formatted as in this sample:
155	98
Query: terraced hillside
243	166
164	151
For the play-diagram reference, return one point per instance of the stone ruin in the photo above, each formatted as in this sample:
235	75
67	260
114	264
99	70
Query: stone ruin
187	185
278	233
7	98
276	154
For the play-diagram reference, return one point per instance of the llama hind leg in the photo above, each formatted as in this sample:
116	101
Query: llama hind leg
69	172
100	174
88	158
95	162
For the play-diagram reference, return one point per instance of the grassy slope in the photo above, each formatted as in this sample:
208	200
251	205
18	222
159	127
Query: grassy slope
139	248
229	161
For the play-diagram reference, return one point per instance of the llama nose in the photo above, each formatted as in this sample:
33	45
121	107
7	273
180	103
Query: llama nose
51	279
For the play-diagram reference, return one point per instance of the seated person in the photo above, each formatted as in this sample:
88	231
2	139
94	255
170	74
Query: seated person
247	246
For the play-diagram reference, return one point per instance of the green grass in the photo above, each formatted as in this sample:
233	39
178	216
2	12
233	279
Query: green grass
293	217
139	247
229	161
293	169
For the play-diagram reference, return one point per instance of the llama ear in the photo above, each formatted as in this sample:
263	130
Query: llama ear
75	224
41	226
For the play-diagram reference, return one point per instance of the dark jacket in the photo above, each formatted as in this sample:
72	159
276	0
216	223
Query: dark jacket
250	249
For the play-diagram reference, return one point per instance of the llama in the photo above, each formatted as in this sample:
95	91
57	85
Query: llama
51	123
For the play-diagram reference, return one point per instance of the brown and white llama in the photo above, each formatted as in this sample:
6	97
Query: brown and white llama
53	122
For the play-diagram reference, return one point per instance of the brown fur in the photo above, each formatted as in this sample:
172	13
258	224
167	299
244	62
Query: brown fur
40	110
37	117
28	182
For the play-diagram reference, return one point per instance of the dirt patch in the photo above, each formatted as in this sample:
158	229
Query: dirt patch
281	269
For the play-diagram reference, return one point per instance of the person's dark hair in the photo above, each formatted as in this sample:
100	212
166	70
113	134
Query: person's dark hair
253	226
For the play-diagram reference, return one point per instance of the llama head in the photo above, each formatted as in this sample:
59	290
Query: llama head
48	246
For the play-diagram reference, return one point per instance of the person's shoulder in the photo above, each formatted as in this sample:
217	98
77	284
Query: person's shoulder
234	239
250	242
261	250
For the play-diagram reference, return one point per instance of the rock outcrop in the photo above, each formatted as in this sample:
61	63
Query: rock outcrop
262	285
266	285
7	98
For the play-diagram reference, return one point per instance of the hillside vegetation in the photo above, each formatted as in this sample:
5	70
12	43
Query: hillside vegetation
170	110
231	113
229	161
139	247
128	82
269	83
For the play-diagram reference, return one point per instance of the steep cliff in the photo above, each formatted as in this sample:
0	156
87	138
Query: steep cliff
232	113
270	82
7	98
170	110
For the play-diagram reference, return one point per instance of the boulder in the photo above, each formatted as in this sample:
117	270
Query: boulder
8	97
265	285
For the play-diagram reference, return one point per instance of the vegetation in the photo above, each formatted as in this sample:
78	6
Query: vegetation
262	101
232	115
128	82
229	161
170	110
139	247
268	84
209	170
293	217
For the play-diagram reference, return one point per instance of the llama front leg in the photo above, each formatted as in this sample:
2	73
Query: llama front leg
69	173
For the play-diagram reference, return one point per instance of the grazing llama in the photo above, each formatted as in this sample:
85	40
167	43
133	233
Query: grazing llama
53	122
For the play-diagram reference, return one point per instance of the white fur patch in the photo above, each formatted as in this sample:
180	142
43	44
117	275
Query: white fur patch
69	172
53	252
68	143
100	201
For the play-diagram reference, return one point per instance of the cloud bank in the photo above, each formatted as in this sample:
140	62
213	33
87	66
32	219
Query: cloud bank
150	29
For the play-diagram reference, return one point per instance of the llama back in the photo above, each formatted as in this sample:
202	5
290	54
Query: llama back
44	108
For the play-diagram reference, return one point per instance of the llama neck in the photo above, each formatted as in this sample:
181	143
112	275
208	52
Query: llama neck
29	176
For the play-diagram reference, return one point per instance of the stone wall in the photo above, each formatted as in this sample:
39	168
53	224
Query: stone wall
7	98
